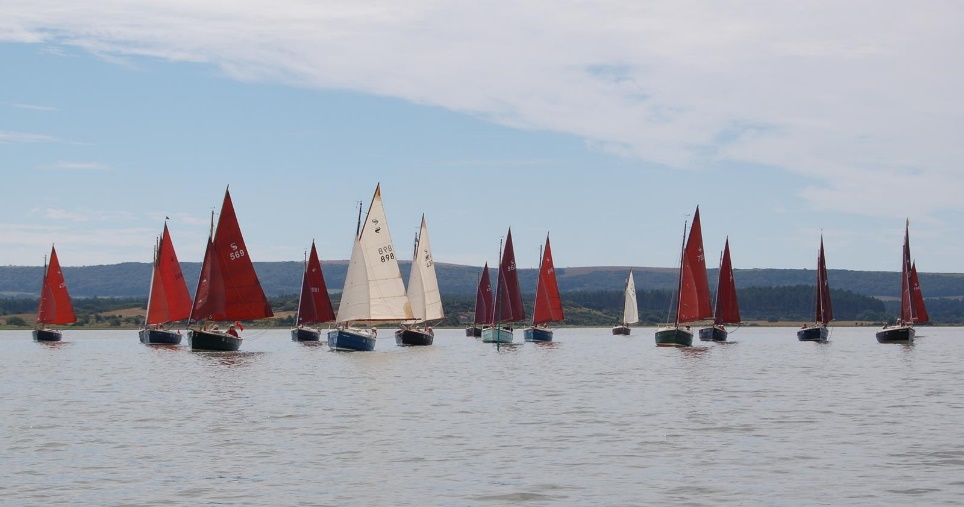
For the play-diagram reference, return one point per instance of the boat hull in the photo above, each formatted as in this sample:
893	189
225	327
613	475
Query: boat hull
473	331
302	334
537	334
814	334
212	340
621	330
674	337
713	334
414	337
46	335
496	335
159	337
350	340
896	334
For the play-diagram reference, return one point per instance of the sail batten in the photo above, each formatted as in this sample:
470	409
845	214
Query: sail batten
630	307
229	288
314	305
374	290
55	306
548	304
169	299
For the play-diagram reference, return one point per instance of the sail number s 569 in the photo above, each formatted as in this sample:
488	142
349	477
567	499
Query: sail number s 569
236	255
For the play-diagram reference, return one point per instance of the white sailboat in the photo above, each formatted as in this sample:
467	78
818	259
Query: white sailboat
630	309
423	294
374	291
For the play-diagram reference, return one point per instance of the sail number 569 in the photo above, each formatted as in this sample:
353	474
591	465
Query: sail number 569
236	255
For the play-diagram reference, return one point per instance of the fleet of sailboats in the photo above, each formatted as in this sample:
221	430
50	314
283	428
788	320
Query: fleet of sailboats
423	295
228	288
55	306
374	291
693	294
548	304
314	304
507	306
727	308
630	309
484	309
912	309
823	309
168	300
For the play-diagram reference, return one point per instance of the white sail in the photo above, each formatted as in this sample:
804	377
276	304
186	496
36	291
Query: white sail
423	290
630	310
384	296
354	298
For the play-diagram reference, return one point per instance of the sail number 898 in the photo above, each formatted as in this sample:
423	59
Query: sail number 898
386	253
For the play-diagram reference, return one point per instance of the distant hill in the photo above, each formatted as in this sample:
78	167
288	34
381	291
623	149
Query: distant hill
132	279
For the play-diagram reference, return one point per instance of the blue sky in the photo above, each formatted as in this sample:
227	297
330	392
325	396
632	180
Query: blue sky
603	124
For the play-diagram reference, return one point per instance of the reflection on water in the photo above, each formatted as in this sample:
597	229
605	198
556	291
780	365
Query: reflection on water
239	358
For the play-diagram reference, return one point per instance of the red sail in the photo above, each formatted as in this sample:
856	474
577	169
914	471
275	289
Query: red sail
509	296
314	306
824	313
906	302
169	299
920	311
483	299
694	297
55	306
727	309
548	305
229	288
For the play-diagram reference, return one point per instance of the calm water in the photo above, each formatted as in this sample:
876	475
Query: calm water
590	420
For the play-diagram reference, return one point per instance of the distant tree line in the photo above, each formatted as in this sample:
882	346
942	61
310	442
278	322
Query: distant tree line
583	308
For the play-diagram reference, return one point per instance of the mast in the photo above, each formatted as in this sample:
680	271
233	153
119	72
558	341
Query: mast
200	278
301	295
535	304
679	286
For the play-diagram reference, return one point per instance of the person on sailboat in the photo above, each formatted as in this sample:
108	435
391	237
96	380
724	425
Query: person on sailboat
233	332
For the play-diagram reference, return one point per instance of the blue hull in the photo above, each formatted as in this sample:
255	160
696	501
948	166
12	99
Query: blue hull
159	337
813	334
46	335
537	334
305	335
350	340
674	337
713	334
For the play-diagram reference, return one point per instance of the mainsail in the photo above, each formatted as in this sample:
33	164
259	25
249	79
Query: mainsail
169	299
548	304
630	309
55	306
508	294
727	308
824	313
314	305
694	297
484	309
423	292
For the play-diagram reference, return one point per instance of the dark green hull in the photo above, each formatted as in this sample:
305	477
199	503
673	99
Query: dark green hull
674	337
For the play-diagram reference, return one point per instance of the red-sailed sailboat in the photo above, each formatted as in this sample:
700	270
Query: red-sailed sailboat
314	305
693	295
169	300
823	312
55	306
508	298
548	304
483	305
228	288
912	310
727	309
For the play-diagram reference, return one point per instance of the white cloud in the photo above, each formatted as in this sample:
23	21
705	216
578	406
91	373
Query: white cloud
79	166
32	107
8	137
858	97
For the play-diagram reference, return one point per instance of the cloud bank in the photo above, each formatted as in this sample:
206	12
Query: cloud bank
856	98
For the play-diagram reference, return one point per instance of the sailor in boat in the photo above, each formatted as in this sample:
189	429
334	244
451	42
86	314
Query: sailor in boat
233	332
374	332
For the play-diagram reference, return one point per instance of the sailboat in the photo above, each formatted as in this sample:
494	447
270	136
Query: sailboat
314	305
374	291
508	298
548	304
55	306
169	300
228	288
912	308
823	313
727	309
423	294
483	305
693	295
630	310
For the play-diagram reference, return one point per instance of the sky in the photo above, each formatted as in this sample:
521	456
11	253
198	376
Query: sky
603	124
